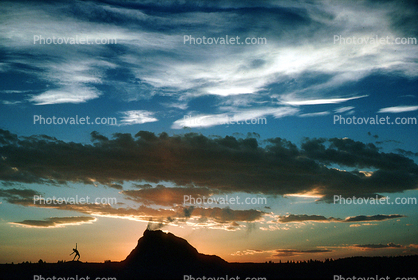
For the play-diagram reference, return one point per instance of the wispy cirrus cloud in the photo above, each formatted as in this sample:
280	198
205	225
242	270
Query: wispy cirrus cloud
137	117
288	100
344	109
316	114
248	116
69	94
155	53
398	109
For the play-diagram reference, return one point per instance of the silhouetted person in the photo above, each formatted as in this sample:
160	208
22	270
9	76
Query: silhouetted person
76	253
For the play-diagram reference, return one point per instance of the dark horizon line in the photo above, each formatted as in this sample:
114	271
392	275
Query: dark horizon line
265	262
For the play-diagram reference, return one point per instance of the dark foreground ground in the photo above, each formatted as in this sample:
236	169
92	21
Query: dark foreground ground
362	268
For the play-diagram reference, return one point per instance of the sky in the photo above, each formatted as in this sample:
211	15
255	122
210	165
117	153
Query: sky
256	130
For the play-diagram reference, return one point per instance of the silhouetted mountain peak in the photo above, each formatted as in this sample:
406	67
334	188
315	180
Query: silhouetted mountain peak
157	248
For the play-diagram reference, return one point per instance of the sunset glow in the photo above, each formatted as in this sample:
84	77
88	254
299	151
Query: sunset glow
293	140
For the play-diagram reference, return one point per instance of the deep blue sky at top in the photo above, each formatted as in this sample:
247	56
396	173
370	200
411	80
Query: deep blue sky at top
150	79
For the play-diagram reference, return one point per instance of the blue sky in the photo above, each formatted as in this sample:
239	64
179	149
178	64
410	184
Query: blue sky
170	100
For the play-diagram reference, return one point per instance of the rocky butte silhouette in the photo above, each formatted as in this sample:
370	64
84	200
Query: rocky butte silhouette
164	255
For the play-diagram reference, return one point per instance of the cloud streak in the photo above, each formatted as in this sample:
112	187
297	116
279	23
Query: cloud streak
320	101
398	109
372	247
292	218
55	222
137	117
253	116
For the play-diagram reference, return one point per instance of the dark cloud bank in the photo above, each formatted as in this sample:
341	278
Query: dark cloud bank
213	165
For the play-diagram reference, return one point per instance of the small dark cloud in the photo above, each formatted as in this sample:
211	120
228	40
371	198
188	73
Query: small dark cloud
317	218
406	153
188	211
95	136
373	218
304	218
116	186
55	221
16	196
7	138
370	247
293	252
143	186
388	141
152	225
